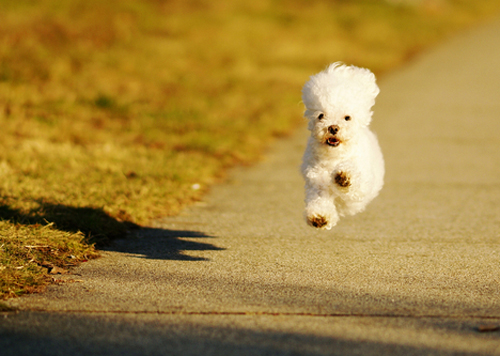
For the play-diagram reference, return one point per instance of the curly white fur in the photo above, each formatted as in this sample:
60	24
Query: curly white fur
343	165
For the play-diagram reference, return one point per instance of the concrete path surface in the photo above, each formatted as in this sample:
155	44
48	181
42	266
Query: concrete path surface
242	274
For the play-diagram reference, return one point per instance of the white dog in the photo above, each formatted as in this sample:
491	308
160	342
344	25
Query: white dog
343	165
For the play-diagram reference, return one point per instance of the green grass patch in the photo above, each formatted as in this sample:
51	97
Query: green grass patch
112	111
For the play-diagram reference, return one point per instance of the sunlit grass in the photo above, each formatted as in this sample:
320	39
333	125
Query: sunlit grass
112	111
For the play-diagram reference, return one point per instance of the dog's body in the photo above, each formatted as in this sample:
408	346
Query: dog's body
343	165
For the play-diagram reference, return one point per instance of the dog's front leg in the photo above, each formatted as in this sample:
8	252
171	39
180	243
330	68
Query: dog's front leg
342	179
347	180
351	189
320	211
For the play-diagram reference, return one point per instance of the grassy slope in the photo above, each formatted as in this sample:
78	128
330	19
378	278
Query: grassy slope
112	111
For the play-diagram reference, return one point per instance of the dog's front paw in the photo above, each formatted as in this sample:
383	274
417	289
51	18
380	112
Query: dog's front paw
343	179
317	221
321	213
322	222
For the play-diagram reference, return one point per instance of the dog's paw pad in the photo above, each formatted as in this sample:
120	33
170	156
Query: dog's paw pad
318	221
342	179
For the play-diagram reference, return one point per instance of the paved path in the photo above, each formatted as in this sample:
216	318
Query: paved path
242	274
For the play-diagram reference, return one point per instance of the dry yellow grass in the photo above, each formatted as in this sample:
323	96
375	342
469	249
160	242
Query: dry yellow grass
111	111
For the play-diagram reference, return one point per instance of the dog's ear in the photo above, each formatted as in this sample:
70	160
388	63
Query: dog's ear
311	94
370	82
309	115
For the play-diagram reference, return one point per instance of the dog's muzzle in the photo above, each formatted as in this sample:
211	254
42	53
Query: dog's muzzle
331	139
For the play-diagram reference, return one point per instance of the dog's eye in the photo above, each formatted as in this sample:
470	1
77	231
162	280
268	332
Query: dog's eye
347	118
320	116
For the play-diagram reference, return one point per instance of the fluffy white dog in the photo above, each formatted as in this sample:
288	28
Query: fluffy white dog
343	165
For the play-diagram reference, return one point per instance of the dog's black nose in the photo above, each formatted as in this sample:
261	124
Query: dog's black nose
333	129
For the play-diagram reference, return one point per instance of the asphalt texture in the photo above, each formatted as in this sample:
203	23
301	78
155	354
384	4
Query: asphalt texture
242	274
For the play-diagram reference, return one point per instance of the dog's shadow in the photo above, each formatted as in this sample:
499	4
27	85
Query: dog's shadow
163	244
109	233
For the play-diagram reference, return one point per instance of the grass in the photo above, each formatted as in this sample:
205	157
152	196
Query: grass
114	113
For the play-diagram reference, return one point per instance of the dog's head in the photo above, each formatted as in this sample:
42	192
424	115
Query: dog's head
338	103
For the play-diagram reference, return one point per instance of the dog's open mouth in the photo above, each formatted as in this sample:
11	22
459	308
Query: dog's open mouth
332	141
